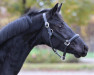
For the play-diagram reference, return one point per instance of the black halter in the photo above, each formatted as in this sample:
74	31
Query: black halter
51	32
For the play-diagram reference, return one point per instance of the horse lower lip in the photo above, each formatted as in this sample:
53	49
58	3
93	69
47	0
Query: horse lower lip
84	54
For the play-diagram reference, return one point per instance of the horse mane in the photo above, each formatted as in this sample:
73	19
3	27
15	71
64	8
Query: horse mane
14	28
34	11
18	26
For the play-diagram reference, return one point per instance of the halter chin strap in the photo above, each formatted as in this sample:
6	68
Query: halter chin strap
52	33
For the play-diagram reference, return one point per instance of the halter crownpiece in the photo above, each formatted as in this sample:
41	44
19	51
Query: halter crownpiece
51	32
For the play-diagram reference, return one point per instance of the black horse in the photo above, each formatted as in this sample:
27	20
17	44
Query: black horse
19	37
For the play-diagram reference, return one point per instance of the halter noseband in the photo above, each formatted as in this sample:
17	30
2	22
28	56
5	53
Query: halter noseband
51	32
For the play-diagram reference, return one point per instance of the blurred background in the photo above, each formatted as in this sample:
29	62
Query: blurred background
78	14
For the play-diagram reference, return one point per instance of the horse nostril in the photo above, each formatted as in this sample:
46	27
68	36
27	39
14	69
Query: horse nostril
85	51
85	48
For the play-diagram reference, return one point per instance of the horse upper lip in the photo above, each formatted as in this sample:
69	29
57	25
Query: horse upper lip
78	55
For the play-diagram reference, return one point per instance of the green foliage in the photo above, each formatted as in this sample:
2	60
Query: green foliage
77	11
90	55
71	59
42	56
74	11
17	6
47	56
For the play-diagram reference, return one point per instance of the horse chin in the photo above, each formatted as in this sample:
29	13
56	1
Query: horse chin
77	56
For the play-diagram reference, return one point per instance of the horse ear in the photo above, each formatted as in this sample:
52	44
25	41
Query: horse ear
53	10
59	8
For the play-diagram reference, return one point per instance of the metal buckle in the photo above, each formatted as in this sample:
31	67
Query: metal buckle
52	30
46	24
67	43
62	58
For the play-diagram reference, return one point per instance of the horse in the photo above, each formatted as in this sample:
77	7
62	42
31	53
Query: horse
44	27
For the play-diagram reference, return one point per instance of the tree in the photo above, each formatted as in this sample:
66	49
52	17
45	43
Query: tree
74	11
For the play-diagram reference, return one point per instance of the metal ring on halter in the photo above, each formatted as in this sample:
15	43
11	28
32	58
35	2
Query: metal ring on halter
67	43
46	24
63	58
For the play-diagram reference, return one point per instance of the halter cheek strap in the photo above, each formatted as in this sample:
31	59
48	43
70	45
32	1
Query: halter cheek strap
51	32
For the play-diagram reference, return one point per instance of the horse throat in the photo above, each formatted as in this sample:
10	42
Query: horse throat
34	35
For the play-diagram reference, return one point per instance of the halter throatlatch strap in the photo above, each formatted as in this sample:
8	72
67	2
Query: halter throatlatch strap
51	32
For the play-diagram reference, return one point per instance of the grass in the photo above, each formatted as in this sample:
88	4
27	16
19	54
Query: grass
58	66
90	55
